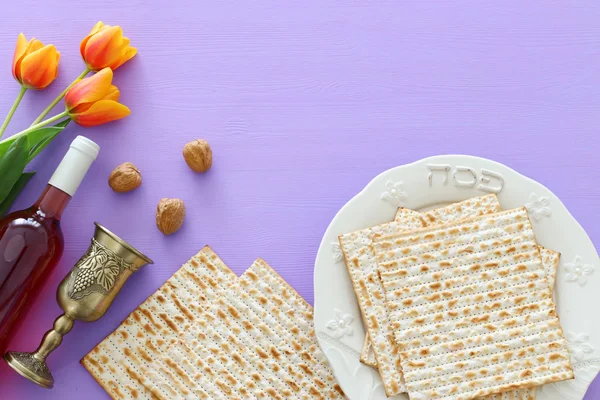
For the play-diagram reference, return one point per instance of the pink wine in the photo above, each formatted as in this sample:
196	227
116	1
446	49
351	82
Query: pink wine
31	240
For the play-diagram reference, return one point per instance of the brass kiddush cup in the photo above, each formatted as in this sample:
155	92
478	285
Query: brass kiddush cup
85	294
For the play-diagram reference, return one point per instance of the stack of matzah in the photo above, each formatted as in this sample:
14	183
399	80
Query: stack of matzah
449	300
207	335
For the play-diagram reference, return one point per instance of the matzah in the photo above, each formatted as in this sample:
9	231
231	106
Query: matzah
550	261
471	309
120	360
550	258
362	268
256	341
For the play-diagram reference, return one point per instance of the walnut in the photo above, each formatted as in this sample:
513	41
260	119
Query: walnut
124	178
198	155
169	215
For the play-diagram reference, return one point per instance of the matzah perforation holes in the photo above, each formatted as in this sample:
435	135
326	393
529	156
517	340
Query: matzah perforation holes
120	363
200	351
545	303
253	339
405	221
206	381
441	286
526	237
268	273
419	378
204	344
181	284
273	333
223	281
118	350
410	220
542	314
511	341
521	289
508	297
392	376
284	334
390	268
167	379
110	387
537	348
435	229
131	323
473	295
512	382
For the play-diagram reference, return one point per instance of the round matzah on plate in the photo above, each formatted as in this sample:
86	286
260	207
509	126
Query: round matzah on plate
434	182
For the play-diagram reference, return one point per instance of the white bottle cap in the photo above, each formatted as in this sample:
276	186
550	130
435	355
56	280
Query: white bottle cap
75	165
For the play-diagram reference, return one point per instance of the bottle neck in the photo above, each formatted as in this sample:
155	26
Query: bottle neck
52	202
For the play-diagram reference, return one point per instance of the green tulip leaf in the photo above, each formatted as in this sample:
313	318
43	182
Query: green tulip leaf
15	191
42	140
38	139
12	164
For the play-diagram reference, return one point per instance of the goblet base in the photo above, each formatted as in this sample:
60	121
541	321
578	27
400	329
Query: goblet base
30	367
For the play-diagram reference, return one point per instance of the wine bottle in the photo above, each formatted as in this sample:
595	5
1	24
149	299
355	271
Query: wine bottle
31	240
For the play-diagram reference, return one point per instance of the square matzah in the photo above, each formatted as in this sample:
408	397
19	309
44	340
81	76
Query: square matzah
471	309
362	268
550	258
256	341
120	360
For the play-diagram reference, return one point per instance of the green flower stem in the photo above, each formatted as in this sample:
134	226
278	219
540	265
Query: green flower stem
37	126
12	110
60	96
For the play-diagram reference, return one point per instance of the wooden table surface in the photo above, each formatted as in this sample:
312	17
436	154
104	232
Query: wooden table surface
303	103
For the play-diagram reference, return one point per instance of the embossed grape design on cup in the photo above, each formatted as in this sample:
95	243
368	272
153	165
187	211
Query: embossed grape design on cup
85	294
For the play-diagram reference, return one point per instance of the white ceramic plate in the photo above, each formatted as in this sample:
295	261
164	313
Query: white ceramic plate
437	181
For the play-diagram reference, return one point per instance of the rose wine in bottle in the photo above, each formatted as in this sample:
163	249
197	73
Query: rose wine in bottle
31	240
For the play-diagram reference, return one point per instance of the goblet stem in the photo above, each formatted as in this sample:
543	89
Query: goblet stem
53	338
33	365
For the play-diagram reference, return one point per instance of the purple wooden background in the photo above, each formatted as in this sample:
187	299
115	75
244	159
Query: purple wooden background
303	103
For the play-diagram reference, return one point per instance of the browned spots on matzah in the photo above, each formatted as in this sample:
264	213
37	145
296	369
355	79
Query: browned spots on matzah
275	353
136	316
135	332
93	362
373	322
306	369
270	329
526	306
145	356
181	307
252	276
132	374
118	392
293	385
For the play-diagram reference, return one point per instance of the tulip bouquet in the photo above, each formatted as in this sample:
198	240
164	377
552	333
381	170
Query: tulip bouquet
89	101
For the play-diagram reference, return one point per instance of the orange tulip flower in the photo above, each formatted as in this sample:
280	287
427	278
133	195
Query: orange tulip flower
34	66
105	46
94	100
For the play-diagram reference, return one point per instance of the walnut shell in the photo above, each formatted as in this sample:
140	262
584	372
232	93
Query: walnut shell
170	214
124	178
198	155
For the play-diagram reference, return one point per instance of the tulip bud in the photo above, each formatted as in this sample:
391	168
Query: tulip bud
34	66
105	46
94	100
